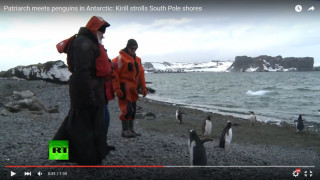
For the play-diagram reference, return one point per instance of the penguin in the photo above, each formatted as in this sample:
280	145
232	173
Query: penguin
252	119
198	155
226	136
207	126
179	115
300	125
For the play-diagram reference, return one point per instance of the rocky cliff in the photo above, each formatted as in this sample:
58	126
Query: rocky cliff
52	71
269	63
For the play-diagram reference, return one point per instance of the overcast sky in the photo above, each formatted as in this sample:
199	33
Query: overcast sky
220	31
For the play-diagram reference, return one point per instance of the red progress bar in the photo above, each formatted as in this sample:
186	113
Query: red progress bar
84	166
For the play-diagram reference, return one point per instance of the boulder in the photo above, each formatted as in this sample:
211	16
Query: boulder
21	100
150	116
150	90
4	112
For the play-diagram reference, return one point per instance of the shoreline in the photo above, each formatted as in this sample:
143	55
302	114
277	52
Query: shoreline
310	126
241	124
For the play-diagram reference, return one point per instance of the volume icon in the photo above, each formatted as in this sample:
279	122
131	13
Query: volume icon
39	173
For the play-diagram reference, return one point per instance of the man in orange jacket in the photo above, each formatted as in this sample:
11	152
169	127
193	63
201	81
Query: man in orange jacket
125	83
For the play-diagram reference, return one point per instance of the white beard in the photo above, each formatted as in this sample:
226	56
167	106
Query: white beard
99	36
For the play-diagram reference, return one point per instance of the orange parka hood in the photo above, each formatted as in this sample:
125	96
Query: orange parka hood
95	23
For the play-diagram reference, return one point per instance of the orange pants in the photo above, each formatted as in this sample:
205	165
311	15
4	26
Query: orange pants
128	109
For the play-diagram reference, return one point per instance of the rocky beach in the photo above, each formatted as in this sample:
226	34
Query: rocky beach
264	151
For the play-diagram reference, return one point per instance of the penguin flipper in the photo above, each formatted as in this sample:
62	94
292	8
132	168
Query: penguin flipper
203	126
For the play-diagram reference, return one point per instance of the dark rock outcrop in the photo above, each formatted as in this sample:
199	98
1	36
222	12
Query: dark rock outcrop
266	63
150	90
51	71
148	66
150	116
317	68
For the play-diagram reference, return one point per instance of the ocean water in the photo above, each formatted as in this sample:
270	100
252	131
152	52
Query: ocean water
275	97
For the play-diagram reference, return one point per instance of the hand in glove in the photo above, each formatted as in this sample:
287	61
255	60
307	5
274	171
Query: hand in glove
144	92
119	93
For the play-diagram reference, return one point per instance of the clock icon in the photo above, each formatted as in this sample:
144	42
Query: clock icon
298	8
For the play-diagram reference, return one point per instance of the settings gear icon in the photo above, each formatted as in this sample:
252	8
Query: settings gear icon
295	174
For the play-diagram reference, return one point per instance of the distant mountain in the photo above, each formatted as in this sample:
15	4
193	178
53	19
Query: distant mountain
57	71
268	63
213	66
52	71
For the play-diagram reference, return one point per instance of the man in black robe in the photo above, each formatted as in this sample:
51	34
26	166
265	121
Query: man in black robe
84	126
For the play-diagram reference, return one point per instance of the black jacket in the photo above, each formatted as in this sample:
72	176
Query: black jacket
85	88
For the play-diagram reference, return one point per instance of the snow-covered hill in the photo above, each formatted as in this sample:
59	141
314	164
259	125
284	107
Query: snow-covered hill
52	71
213	66
57	71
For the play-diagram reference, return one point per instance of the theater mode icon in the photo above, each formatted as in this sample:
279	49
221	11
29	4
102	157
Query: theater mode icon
58	150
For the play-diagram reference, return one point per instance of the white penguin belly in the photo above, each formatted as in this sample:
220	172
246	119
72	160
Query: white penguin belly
208	128
177	118
252	119
229	137
192	145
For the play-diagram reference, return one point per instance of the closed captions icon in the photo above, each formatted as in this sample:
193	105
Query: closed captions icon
298	8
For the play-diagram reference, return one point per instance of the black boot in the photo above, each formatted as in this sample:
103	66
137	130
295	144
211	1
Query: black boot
132	129
125	129
110	148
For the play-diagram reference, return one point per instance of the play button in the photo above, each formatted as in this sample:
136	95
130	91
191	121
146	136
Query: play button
13	173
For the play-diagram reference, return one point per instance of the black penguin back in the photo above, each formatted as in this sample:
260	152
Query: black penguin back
222	141
300	125
199	151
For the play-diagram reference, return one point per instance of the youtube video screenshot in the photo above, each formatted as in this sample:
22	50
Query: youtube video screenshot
160	89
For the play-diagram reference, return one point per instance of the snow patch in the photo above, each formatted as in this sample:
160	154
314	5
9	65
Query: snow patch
213	66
